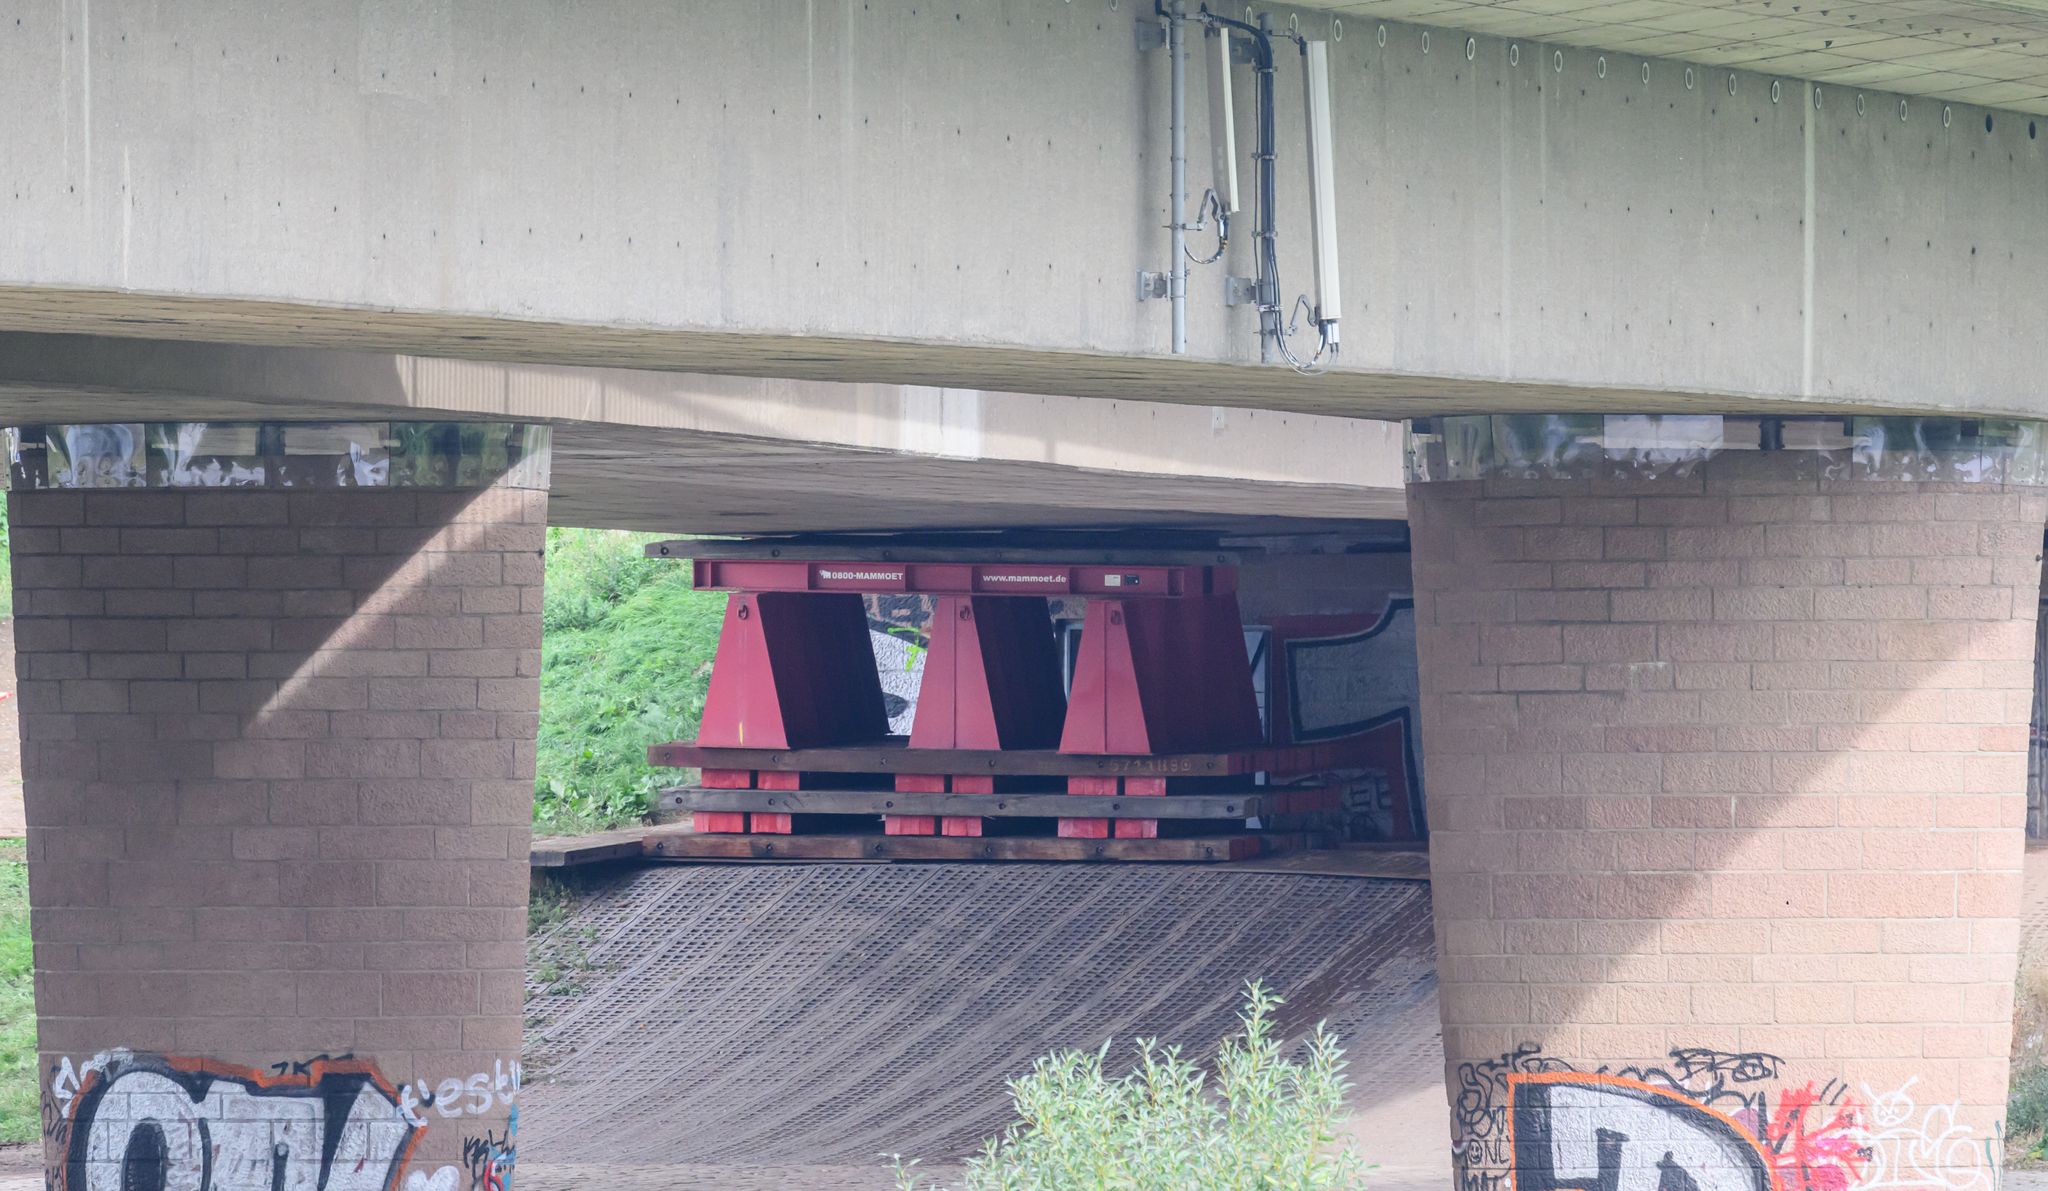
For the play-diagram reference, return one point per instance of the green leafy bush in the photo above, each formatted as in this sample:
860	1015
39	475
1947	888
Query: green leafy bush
625	661
2026	1109
1268	1123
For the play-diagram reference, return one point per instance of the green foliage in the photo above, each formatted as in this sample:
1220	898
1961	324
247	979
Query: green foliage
625	661
20	1097
2026	1106
2026	1110
555	958
6	569
1268	1123
590	572
548	903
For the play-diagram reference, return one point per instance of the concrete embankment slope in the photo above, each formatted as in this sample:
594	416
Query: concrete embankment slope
821	1015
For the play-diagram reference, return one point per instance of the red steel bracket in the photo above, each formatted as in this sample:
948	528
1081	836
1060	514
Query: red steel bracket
1161	676
793	671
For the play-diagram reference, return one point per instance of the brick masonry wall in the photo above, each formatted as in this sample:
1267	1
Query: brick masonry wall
1727	783
278	756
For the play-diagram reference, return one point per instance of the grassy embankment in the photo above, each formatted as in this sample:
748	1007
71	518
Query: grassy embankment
20	1110
625	660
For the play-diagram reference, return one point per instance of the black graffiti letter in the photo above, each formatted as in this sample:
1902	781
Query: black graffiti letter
145	1166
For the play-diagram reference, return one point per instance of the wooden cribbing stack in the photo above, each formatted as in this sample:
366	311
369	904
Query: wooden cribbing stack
1160	726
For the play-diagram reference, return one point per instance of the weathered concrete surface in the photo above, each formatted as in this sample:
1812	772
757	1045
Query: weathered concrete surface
677	452
1963	51
962	196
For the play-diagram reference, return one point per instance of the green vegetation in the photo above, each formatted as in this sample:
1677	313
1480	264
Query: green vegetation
20	1099
1268	1123
2026	1107
6	567
555	959
625	661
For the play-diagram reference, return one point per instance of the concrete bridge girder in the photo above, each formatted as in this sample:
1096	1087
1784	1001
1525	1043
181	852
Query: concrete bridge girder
677	452
909	195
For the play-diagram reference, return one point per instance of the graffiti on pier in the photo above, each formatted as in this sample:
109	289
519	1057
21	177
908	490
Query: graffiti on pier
1704	1120
490	1158
456	1097
127	1121
1573	1131
149	1121
1914	1147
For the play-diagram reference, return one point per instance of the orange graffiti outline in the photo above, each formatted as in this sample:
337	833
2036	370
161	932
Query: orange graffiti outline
1622	1081
316	1071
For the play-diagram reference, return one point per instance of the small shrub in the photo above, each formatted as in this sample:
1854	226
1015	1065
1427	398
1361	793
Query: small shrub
1267	1123
2026	1110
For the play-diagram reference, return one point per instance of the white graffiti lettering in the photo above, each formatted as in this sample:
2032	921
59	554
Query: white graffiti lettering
453	1098
186	1125
1925	1150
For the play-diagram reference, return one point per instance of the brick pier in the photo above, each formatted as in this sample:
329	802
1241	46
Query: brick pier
1726	778
278	753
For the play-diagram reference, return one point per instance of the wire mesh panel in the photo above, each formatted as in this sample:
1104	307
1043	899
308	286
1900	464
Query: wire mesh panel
829	1013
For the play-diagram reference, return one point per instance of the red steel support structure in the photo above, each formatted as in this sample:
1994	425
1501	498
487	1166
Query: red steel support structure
991	681
793	671
1162	668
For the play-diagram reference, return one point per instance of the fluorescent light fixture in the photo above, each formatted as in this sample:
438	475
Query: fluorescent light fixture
1322	181
1222	118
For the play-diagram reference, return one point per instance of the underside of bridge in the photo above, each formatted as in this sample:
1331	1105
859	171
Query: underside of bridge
674	452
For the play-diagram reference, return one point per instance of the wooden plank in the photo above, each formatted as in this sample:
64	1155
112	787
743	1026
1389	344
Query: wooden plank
569	851
1396	862
893	757
1029	806
672	845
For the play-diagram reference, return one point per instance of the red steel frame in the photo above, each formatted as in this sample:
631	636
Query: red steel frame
991	681
1159	676
793	671
961	578
1162	669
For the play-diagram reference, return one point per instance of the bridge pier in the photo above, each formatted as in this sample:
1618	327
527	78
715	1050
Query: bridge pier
278	766
1725	726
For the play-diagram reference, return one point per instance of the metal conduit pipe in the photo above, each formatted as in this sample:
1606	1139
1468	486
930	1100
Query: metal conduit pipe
1177	279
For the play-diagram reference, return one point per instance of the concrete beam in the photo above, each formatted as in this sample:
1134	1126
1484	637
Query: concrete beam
963	196
714	454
